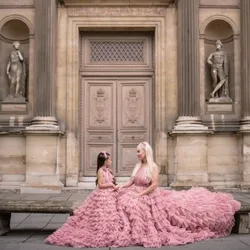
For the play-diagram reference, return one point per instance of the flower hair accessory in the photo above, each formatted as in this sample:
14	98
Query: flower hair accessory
105	154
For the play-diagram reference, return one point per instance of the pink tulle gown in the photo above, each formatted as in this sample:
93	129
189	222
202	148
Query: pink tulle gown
165	218
95	223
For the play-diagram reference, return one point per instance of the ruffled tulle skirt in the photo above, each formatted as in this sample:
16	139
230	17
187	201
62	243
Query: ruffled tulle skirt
165	218
162	218
95	223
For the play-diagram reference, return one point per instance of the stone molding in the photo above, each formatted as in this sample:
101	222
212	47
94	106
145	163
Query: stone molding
157	23
117	11
21	18
219	17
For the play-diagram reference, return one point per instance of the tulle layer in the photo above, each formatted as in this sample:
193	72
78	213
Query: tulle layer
165	218
162	218
95	223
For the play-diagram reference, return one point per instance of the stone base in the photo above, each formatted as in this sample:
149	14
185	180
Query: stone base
4	223
41	188
188	185
242	223
11	99
219	107
13	107
245	186
189	124
225	99
44	123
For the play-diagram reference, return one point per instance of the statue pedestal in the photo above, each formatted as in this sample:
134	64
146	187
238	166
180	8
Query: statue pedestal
13	104
13	107
219	107
225	99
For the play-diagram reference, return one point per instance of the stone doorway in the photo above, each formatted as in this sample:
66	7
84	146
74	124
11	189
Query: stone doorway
116	78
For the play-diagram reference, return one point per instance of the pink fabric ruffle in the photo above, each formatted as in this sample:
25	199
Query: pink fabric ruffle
167	218
95	223
162	218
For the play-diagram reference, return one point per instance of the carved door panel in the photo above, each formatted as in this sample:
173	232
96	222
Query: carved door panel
115	116
133	121
98	126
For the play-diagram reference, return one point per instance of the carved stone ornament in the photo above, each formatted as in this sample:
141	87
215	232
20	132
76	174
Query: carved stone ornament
133	107
100	107
117	11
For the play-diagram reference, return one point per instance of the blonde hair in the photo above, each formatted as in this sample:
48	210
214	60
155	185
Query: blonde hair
150	160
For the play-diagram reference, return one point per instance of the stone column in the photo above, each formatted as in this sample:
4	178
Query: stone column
191	135
245	80
188	64
42	137
45	44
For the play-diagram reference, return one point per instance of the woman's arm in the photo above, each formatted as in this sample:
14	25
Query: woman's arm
100	183
154	182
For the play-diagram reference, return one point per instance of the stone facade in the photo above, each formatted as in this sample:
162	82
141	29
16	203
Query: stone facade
156	88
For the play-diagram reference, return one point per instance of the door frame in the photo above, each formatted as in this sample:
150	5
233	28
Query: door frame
154	19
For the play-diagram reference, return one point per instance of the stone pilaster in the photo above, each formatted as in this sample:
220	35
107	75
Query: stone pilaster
245	61
245	79
42	137
188	65
191	135
45	44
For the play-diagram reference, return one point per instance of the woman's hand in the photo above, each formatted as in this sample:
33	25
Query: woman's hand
136	195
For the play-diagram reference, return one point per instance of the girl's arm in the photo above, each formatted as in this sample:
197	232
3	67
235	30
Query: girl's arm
129	183
100	183
154	182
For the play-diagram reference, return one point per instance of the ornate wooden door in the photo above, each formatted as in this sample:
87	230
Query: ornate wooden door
117	116
116	70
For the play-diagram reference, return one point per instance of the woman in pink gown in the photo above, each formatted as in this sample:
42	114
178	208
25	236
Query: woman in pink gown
153	217
96	222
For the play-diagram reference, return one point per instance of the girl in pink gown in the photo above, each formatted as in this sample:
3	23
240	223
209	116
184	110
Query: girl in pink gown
96	222
154	217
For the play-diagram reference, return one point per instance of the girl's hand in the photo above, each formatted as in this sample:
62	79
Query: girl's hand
115	187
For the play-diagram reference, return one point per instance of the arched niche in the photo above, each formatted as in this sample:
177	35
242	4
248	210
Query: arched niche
12	29
218	29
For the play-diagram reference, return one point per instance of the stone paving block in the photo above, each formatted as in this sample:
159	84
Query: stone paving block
59	198
39	246
36	197
18	217
14	197
52	227
78	197
59	218
16	236
38	237
30	226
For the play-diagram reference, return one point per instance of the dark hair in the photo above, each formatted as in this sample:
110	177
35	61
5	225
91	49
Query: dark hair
101	158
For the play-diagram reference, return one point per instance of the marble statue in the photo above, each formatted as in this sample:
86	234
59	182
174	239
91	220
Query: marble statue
219	72
16	72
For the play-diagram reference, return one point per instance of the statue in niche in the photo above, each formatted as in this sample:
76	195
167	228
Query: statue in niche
219	72
16	72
